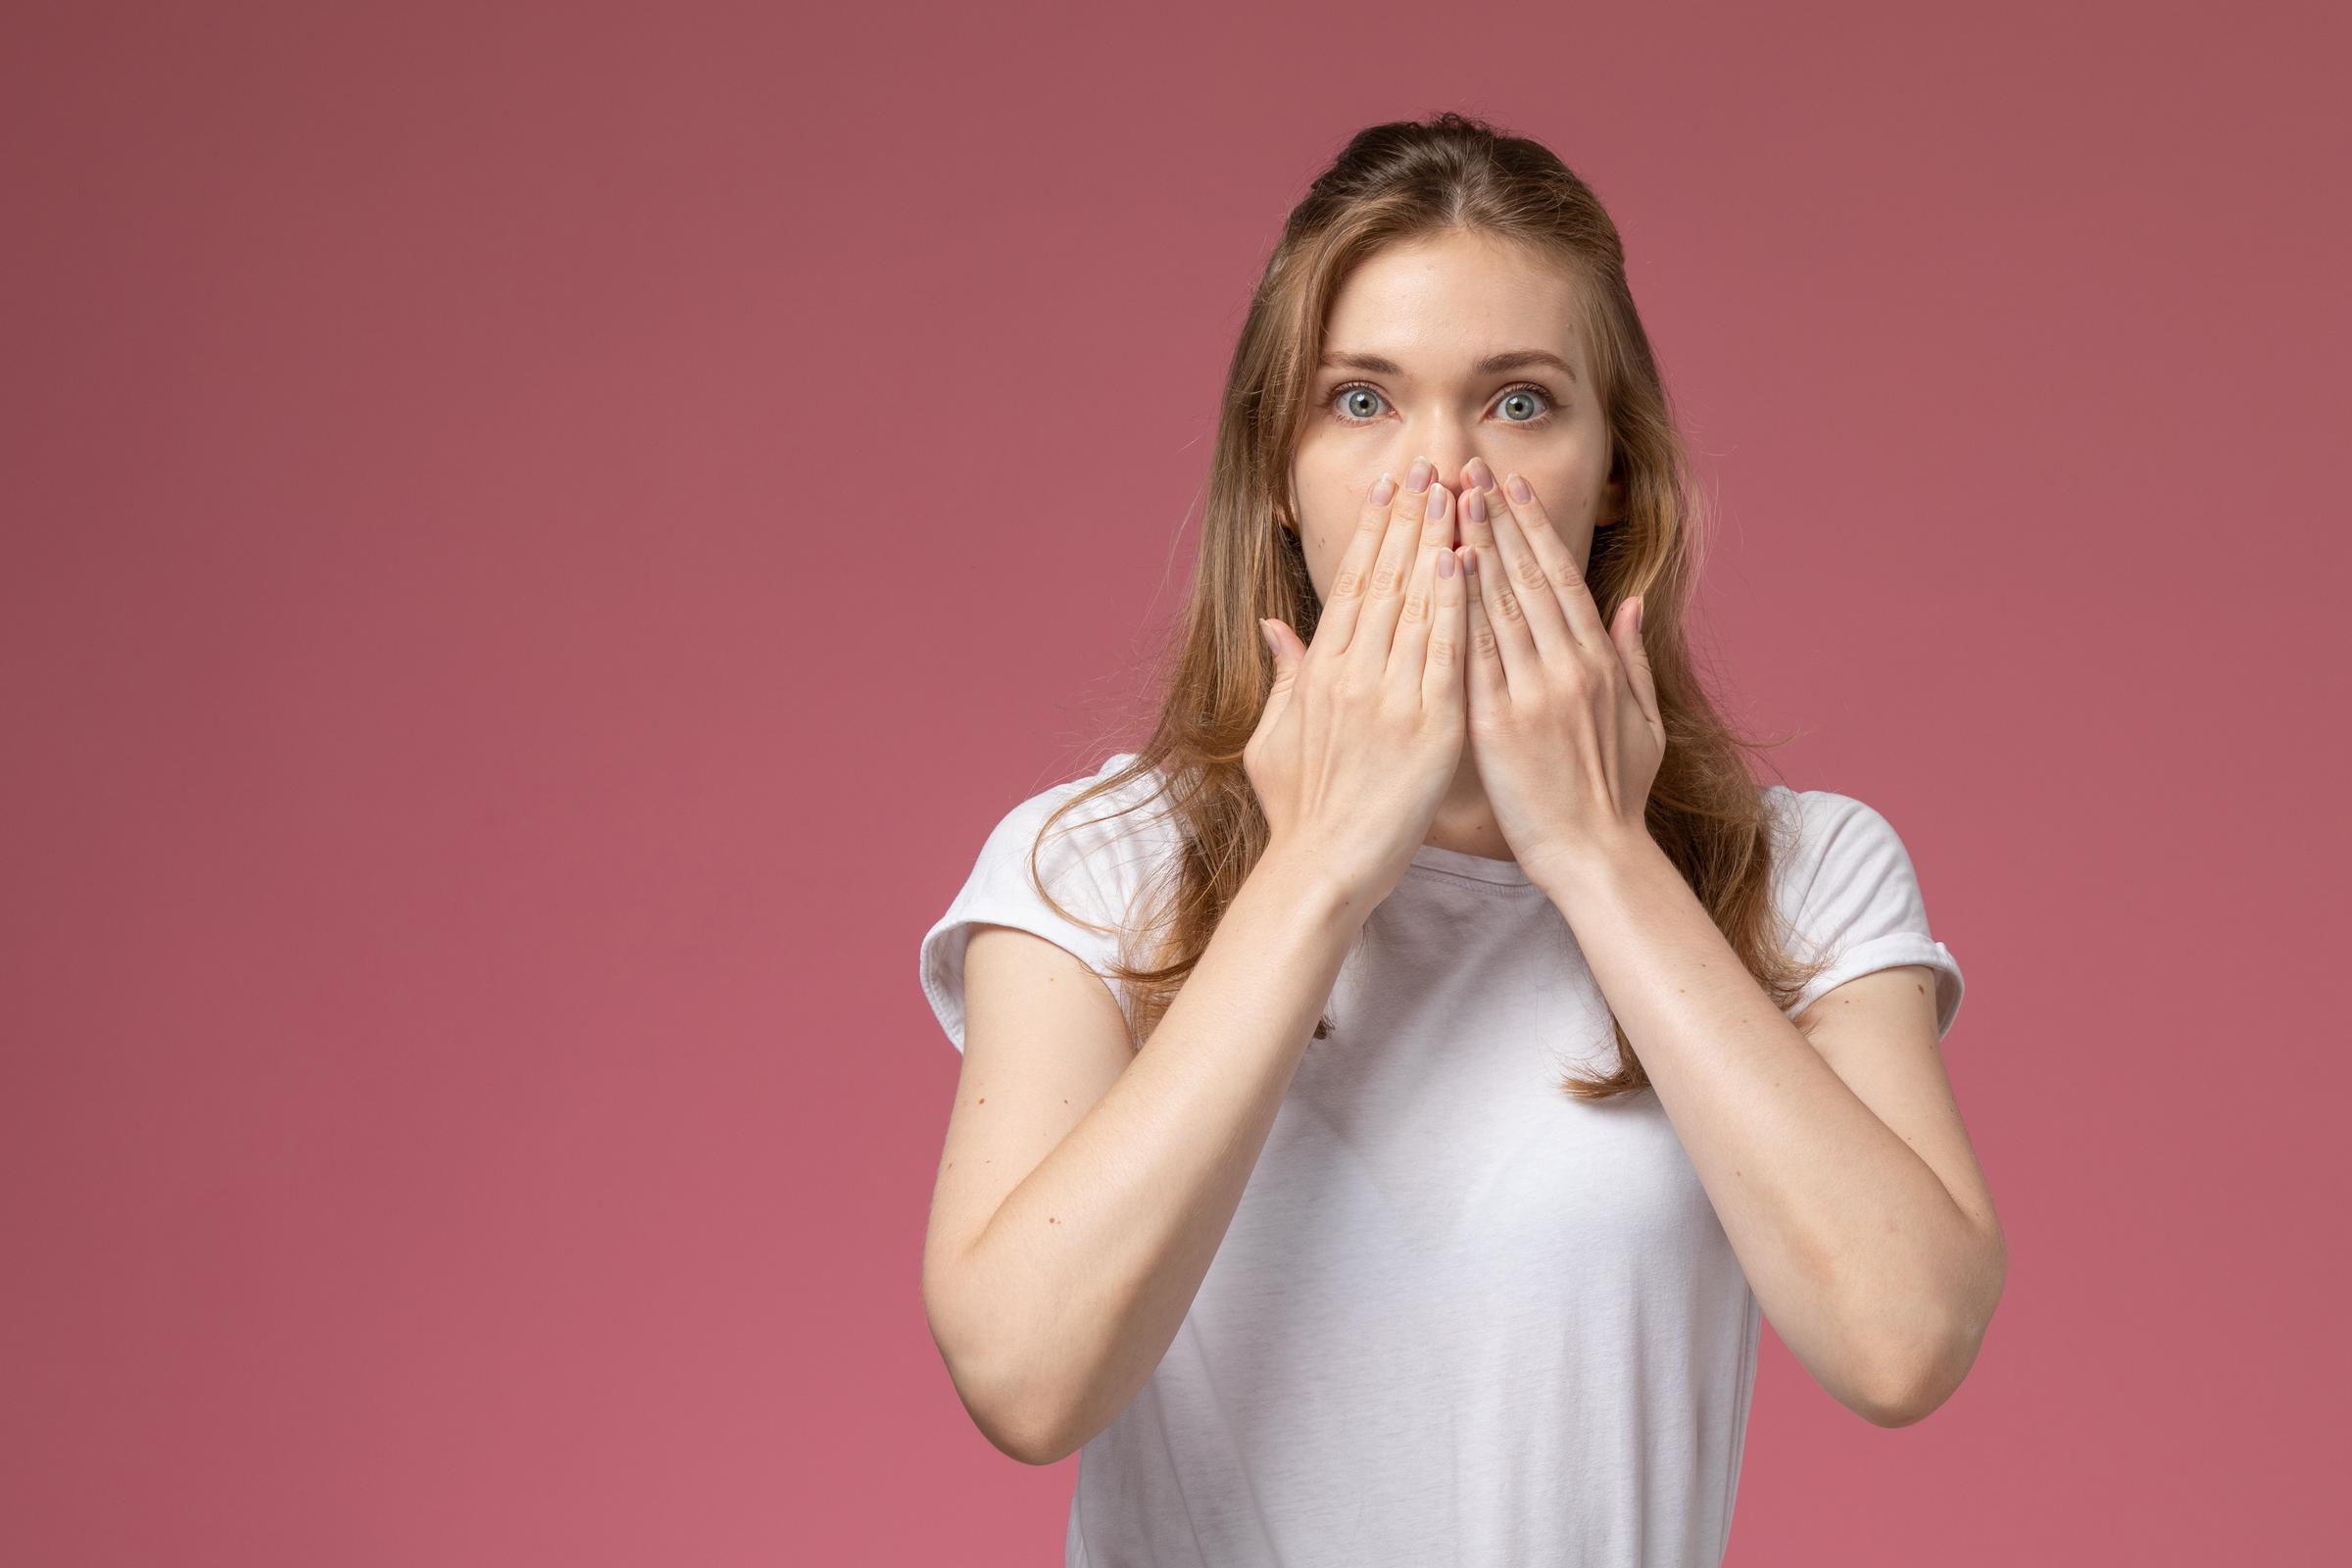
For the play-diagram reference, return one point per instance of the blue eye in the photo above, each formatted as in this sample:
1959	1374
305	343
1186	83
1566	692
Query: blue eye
1517	393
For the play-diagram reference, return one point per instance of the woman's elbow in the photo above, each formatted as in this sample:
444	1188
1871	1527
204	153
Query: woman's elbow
1001	1390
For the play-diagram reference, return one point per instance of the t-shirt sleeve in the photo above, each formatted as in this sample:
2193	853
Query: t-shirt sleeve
1078	862
1851	893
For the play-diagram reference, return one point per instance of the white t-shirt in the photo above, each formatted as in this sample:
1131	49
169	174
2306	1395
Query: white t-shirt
1458	1317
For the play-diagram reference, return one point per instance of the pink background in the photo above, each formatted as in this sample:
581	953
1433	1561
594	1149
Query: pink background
538	540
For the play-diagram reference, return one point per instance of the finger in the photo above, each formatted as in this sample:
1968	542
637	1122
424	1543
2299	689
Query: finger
1448	632
1283	643
1637	662
1521	518
1488	681
1409	652
1399	558
1336	627
1531	581
1287	649
1501	608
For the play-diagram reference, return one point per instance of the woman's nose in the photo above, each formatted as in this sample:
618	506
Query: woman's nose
1449	457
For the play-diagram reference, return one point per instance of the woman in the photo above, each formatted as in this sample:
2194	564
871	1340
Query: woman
1381	1130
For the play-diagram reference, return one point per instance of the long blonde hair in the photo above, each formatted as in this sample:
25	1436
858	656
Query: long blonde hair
1393	183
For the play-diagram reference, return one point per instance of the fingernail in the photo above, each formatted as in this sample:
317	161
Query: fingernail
1419	474
1437	503
1475	504
1480	475
1520	490
1385	490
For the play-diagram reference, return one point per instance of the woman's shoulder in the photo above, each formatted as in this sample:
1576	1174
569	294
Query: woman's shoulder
1120	796
1120	829
1826	840
1847	885
1070	876
1811	815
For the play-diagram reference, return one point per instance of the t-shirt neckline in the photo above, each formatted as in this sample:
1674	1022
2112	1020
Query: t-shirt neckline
1460	862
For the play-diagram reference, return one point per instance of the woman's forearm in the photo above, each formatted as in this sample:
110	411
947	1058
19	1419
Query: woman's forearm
1088	1266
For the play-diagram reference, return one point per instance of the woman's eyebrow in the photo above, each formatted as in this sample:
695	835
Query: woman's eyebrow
1492	364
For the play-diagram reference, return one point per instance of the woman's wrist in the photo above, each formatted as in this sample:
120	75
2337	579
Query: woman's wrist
1308	878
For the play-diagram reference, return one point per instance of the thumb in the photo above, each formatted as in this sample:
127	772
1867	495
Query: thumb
1286	649
1636	663
1283	643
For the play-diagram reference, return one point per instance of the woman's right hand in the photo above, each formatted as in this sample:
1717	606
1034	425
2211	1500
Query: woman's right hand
1362	731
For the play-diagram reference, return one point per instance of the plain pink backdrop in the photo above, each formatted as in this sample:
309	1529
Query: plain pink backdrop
539	539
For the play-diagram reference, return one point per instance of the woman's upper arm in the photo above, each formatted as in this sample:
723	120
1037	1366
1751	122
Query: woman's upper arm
1044	1041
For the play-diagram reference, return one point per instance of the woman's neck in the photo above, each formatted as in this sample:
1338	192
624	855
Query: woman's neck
1465	823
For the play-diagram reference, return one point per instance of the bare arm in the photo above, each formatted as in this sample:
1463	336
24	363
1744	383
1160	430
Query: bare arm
1054	1296
1054	1310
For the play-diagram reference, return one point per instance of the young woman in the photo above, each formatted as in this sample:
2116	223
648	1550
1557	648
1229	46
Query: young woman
1383	1126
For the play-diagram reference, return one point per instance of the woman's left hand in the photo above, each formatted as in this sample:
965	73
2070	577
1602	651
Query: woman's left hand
1563	717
